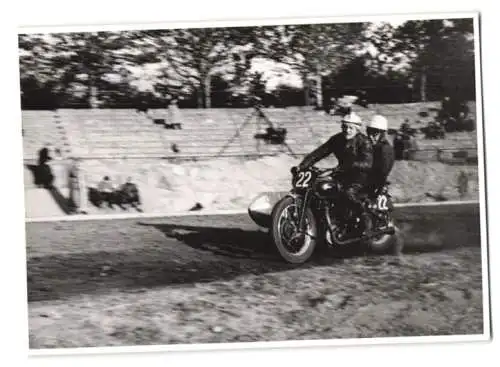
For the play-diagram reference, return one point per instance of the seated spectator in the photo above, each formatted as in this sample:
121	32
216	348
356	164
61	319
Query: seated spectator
128	194
94	197
106	192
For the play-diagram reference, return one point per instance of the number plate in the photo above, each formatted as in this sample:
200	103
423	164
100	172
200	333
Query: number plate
304	179
384	203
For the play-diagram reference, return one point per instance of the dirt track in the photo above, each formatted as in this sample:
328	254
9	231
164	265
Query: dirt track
190	280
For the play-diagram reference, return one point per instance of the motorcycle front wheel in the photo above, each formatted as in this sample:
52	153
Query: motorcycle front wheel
294	247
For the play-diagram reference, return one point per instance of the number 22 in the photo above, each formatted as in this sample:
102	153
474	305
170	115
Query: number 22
304	178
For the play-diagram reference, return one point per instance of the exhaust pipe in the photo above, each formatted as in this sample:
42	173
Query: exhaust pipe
389	230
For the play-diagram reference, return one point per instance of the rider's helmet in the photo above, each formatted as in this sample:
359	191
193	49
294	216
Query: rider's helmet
351	125
352	118
378	122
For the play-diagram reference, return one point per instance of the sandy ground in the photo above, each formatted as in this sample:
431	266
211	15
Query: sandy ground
354	298
218	279
233	183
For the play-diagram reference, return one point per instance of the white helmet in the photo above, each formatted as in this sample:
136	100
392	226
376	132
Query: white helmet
378	122
352	118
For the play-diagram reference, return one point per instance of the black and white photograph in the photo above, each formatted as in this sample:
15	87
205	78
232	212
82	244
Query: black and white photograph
251	184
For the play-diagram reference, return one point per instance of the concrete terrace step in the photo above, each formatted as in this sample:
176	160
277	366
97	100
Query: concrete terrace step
107	153
114	130
135	136
124	149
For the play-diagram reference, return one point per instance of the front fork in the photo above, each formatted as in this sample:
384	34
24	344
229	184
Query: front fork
302	208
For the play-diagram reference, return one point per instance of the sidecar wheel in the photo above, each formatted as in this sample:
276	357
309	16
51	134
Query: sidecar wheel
293	251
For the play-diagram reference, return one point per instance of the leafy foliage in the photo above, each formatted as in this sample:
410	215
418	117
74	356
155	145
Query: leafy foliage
199	66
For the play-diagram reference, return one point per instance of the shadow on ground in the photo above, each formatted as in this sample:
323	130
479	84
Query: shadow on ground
418	233
233	243
60	276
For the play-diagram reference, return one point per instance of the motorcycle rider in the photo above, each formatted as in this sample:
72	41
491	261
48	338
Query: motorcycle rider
383	153
354	153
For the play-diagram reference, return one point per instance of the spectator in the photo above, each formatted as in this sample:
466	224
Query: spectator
173	111
362	98
58	153
399	146
453	108
43	172
45	177
445	108
106	192
44	155
404	142
339	107
405	127
463	110
76	184
129	194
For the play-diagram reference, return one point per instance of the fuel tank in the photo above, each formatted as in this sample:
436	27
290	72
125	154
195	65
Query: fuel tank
326	188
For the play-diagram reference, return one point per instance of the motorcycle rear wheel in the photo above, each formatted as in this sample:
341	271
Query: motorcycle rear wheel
283	211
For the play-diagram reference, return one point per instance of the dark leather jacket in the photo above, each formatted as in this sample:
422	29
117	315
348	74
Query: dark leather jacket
355	156
383	161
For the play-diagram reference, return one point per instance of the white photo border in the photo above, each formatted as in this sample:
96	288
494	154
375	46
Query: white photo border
486	336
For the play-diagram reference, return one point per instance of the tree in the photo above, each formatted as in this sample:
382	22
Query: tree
380	50
455	66
428	43
33	57
316	50
36	75
89	59
192	57
416	39
75	63
377	69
